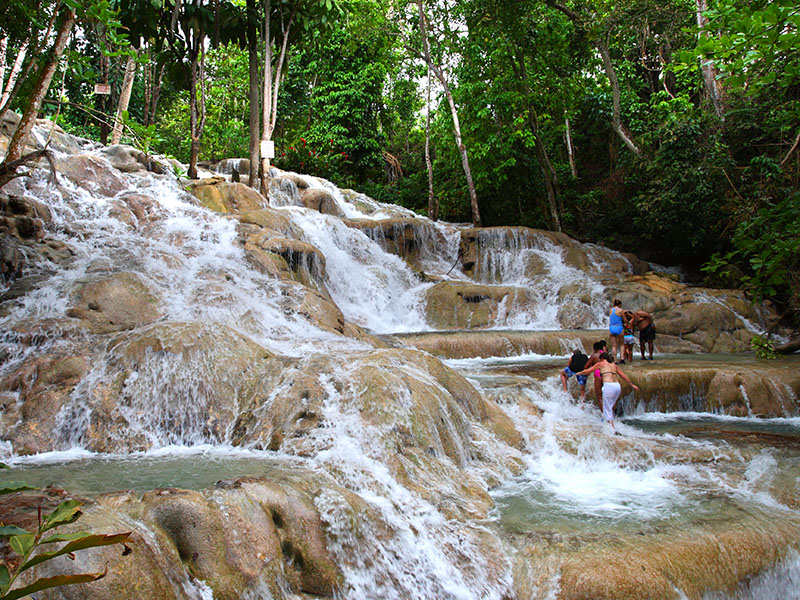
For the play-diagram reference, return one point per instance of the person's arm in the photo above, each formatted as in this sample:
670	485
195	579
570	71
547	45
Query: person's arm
588	369
626	378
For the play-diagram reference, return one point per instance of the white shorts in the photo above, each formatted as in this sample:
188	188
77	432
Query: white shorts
611	392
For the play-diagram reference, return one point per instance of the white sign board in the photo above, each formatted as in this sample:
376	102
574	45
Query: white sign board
267	149
102	88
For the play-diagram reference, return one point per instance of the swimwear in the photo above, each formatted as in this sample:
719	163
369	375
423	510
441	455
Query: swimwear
648	334
597	374
611	392
629	340
581	378
615	323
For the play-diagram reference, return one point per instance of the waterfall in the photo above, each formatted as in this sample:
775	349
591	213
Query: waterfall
434	479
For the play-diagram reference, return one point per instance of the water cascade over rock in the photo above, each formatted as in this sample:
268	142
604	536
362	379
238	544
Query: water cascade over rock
317	395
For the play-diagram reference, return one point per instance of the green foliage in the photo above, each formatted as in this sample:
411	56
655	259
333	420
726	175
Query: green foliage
764	348
754	43
25	544
765	254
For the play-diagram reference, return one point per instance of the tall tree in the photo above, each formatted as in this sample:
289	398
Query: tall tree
422	48
16	147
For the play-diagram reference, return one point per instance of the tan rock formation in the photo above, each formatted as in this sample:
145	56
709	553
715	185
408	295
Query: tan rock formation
320	200
225	197
114	303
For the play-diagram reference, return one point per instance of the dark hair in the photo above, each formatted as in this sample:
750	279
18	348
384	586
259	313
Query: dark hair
577	351
599	345
607	357
617	302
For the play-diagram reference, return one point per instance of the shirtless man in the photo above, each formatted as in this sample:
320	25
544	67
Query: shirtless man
642	321
594	358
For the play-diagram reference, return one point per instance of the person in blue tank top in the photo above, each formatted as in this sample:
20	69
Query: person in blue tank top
615	328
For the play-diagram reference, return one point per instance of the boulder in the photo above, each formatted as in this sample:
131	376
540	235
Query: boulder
320	200
458	305
130	160
226	197
91	173
300	182
135	210
408	238
272	220
114	302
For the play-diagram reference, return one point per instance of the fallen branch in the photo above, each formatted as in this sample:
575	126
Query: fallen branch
8	172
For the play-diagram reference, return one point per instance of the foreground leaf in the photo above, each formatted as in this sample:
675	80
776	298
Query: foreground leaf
9	487
89	541
9	530
65	513
23	543
49	582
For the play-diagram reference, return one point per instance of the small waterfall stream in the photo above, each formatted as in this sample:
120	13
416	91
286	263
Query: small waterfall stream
437	481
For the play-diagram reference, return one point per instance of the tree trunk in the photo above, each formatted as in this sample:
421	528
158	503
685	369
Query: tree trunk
266	96
713	85
462	149
433	205
11	87
3	48
789	347
570	148
17	144
548	172
255	99
124	97
616	122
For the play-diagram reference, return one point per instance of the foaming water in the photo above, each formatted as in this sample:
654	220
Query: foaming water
373	288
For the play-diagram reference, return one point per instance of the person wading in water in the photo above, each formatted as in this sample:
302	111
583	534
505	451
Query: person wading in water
611	387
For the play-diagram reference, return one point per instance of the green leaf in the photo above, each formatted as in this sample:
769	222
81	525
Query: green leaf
9	487
22	544
82	543
50	582
4	466
9	530
65	513
64	537
5	576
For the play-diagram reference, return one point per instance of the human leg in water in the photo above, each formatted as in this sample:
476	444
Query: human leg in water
611	392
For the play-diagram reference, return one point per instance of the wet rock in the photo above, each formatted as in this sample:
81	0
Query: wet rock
272	220
300	261
114	303
321	201
224	197
92	174
299	182
135	210
130	160
32	396
458	305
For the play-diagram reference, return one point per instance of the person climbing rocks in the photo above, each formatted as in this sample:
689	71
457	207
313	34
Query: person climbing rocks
628	338
615	328
611	387
576	363
594	358
642	321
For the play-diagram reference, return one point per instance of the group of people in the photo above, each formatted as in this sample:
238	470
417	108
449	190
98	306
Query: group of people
621	325
601	364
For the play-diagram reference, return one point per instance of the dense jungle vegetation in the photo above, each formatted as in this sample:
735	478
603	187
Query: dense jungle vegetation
666	128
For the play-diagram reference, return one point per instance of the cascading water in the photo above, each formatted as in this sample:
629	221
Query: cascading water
474	479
